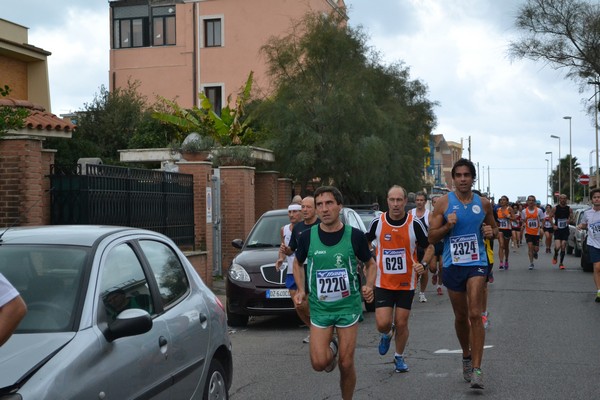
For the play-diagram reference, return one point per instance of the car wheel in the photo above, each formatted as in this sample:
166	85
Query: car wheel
236	320
577	251
569	249
216	382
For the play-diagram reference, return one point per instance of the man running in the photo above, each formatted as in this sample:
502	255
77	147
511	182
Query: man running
532	217
397	234
422	214
463	220
331	250
562	214
591	222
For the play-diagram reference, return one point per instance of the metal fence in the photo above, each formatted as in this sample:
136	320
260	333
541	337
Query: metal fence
108	195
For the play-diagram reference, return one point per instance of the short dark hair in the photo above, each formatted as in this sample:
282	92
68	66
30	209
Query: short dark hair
594	191
337	195
463	162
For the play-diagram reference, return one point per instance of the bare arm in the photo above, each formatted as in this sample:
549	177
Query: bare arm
489	229
300	279
281	255
10	315
371	274
437	228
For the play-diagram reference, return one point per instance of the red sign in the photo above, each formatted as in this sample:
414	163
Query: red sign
584	179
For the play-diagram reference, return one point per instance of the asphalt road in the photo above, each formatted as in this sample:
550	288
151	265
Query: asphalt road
542	343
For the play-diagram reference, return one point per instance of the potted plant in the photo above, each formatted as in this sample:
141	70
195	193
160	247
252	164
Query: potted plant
196	148
232	155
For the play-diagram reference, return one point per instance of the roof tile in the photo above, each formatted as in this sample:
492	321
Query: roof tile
38	117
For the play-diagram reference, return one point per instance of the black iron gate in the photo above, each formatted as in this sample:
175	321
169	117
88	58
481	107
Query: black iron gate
108	195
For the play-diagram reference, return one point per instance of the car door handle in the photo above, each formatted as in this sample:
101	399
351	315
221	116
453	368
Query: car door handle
162	341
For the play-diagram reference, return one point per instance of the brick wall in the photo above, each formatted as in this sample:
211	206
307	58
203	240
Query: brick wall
284	192
265	192
237	208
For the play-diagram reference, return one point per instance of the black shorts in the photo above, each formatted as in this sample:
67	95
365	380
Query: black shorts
535	239
439	248
391	298
507	233
551	230
561	234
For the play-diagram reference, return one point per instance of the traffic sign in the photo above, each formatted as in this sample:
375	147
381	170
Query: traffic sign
584	179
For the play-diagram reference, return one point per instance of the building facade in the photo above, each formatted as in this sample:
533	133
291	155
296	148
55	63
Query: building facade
178	48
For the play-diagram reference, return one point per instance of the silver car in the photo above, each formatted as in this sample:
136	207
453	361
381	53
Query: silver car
113	313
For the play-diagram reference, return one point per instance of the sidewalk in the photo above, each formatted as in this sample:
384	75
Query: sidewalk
218	288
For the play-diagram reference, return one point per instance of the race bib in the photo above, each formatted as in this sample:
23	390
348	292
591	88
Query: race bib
394	261
561	223
333	284
464	248
503	223
594	230
532	223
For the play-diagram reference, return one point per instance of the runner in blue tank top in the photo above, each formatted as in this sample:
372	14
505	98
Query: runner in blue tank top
462	220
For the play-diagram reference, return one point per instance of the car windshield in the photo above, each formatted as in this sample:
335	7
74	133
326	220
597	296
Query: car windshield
266	232
49	280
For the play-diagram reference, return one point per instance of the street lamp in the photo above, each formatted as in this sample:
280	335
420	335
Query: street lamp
596	105
559	168
570	162
550	176
548	189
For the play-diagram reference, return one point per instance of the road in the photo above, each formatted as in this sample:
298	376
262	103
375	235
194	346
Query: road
542	344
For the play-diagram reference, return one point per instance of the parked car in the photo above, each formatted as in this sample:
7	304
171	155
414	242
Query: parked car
367	212
586	264
575	235
113	312
253	286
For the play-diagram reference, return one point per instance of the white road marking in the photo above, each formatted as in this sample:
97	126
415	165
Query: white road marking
446	351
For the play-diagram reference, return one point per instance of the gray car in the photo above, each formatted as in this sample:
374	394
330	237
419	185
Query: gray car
113	313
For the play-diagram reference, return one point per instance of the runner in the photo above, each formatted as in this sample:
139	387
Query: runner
505	216
422	214
436	262
516	226
562	214
548	228
532	217
463	219
331	250
591	222
398	235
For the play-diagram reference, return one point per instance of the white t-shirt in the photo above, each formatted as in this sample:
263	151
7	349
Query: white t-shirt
592	219
287	235
7	291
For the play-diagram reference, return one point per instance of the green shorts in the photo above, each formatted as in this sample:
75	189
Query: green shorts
340	321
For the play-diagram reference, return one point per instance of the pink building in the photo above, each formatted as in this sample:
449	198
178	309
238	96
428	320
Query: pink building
177	48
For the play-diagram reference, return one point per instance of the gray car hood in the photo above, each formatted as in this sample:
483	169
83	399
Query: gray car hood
26	350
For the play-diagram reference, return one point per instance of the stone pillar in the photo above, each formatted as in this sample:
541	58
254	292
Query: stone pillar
266	190
24	184
237	208
284	192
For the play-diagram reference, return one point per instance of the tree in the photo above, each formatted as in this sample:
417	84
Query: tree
338	116
564	33
563	164
11	118
115	120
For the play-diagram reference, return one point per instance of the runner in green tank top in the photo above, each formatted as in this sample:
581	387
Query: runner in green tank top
331	251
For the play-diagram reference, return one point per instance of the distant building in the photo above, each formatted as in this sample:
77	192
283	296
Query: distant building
178	48
443	155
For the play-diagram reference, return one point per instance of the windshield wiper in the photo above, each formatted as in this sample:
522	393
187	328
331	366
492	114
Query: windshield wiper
262	245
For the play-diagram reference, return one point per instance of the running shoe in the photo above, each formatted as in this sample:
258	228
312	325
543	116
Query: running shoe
485	320
505	264
477	379
306	339
535	255
531	266
333	345
439	291
400	364
422	298
384	342
554	260
491	277
467	369
501	264
562	266
434	279
598	298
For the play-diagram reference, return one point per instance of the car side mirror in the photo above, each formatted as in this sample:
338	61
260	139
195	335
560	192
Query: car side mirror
130	322
237	243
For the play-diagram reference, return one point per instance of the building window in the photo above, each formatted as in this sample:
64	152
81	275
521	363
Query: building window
212	33
131	33
163	31
215	96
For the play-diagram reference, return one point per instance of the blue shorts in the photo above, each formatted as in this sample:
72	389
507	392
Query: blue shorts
455	277
290	283
594	254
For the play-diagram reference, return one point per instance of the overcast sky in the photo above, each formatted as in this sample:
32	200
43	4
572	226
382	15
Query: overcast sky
458	48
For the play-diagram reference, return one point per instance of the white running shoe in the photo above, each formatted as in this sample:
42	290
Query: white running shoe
422	298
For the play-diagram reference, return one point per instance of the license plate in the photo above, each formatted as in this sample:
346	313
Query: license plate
278	294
